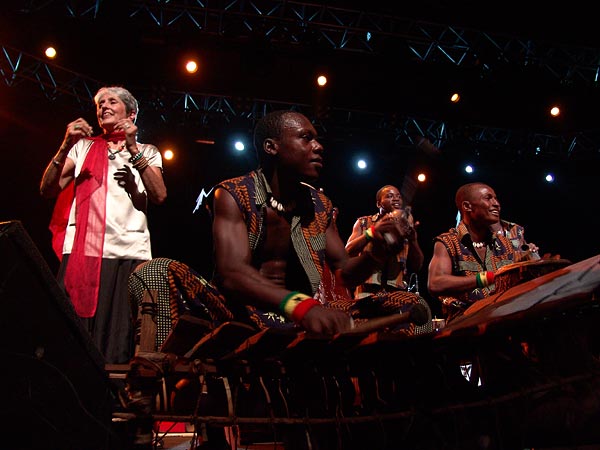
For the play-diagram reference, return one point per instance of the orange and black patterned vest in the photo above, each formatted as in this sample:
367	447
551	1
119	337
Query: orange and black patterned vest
251	191
465	262
307	232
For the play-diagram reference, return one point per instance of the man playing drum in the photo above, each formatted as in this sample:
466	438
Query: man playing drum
466	258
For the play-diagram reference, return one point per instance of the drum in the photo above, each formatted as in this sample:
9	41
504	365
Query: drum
520	272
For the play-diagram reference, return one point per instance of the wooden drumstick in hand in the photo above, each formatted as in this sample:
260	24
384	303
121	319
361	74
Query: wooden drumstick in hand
417	314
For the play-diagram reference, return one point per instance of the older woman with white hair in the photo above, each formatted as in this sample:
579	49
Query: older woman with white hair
99	225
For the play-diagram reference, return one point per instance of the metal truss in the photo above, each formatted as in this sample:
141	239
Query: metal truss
55	82
299	23
295	22
196	109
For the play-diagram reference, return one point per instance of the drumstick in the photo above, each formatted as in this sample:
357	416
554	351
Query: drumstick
417	315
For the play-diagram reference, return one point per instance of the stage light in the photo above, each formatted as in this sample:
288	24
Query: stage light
421	177
168	154
455	98
555	111
191	66
361	164
321	80
50	52
549	178
239	146
469	168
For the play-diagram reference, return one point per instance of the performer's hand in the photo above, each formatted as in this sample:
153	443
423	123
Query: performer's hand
321	320
76	130
389	235
125	178
128	127
405	223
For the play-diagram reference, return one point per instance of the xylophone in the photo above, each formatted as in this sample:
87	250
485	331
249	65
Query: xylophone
519	369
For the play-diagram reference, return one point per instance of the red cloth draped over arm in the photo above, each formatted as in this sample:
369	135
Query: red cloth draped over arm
82	275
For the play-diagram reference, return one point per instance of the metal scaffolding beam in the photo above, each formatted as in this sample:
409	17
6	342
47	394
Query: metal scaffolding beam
296	23
202	109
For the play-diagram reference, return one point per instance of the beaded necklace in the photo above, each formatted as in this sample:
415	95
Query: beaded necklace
112	155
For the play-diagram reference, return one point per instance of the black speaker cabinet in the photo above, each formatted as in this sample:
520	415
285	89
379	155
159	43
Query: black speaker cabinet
54	391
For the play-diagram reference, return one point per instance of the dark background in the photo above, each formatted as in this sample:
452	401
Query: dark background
501	91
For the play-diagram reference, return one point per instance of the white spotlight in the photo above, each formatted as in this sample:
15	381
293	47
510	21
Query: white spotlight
239	146
361	164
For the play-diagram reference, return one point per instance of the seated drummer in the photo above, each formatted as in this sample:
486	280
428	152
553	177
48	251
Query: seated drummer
465	259
274	234
408	260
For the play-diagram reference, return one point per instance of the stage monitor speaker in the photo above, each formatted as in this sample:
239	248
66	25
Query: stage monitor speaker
54	391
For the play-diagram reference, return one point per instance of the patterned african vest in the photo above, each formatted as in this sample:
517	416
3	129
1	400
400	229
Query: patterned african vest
251	192
465	261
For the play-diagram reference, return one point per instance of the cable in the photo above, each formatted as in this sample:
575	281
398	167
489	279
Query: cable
413	286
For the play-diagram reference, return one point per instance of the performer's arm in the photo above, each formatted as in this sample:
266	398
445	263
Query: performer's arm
440	280
357	240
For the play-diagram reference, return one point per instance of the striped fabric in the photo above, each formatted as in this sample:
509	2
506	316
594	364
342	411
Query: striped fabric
180	290
251	192
465	261
396	273
308	233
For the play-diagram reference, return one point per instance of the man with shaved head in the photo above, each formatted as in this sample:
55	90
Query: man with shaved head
465	259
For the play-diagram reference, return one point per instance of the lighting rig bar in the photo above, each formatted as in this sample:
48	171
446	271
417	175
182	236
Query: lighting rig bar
193	108
296	22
